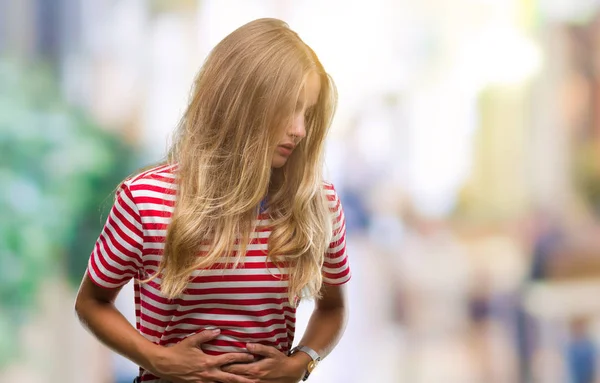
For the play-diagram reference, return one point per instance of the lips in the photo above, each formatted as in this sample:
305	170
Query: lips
285	149
287	146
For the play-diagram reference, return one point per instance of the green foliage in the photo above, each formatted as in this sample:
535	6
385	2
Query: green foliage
57	172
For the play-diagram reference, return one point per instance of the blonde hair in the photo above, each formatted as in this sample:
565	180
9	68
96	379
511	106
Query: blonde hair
243	96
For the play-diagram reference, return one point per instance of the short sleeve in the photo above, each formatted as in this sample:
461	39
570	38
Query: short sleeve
336	268
117	254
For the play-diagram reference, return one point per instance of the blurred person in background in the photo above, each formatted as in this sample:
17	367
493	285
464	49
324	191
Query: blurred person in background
565	244
242	186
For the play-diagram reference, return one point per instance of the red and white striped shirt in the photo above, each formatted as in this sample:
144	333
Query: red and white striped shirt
249	303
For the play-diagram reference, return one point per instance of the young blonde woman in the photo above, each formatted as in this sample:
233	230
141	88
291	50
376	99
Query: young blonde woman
226	236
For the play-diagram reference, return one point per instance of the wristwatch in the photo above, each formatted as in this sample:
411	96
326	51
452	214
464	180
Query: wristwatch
313	355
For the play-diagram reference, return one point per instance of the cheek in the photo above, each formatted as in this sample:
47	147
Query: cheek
284	129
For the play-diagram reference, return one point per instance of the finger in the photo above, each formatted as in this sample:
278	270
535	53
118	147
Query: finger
231	378
261	349
249	369
237	357
236	369
201	337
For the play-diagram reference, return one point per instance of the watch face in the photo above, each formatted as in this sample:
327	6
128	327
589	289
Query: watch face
311	366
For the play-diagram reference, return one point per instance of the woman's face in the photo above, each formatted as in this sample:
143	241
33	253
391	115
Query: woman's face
296	131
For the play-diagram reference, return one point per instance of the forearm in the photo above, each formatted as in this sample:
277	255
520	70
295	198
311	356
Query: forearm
111	328
325	329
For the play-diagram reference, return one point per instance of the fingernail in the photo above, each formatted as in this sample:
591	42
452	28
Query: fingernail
249	346
216	330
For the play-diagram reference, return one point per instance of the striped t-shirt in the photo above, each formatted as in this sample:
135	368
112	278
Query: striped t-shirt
249	303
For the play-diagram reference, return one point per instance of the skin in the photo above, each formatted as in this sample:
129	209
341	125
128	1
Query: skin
294	133
185	361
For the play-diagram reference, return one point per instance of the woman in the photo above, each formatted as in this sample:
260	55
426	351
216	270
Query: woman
226	236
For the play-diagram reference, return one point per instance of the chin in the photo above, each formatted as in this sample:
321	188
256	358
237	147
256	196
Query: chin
278	162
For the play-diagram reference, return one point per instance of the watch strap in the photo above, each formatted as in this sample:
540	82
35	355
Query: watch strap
312	353
316	358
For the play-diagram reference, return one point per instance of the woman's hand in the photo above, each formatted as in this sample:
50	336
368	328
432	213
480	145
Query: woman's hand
273	367
185	362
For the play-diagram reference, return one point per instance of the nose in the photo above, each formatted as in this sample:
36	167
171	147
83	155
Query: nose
298	128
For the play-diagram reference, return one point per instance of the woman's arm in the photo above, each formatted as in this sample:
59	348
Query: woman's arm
326	325
328	321
184	362
96	311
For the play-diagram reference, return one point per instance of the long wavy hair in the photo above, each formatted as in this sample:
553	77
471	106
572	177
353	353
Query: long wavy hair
243	98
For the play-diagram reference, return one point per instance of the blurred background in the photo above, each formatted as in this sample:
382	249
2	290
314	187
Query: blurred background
466	150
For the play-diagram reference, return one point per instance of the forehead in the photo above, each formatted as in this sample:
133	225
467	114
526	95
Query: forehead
309	93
